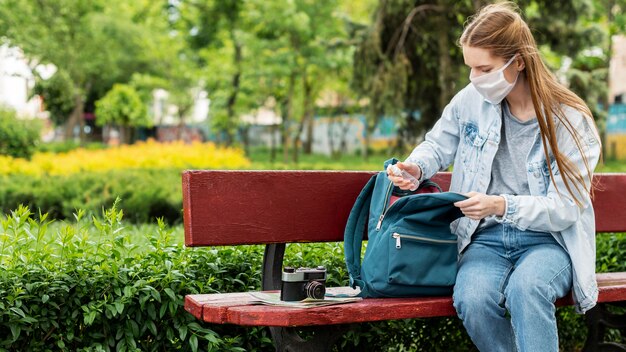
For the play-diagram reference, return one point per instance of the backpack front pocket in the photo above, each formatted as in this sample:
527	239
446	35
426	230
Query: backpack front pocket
421	261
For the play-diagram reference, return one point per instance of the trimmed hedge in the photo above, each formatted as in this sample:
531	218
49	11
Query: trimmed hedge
146	193
86	286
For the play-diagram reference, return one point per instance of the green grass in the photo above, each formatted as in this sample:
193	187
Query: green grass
612	166
261	160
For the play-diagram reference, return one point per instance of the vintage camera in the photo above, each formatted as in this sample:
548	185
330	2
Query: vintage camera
301	283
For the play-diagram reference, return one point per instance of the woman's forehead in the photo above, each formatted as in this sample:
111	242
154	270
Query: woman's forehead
475	57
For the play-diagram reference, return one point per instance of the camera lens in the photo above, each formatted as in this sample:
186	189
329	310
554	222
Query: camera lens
315	290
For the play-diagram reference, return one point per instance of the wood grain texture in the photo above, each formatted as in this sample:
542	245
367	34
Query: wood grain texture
234	308
260	207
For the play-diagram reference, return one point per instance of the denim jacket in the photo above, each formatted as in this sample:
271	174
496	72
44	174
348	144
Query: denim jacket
467	135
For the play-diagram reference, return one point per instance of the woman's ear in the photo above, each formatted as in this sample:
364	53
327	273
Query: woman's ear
520	64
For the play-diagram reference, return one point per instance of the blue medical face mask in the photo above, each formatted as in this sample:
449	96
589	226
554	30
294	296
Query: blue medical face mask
493	86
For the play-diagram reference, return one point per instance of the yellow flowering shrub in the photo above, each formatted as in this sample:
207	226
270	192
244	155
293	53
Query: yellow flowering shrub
141	155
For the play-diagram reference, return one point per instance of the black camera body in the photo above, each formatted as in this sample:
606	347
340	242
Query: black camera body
301	283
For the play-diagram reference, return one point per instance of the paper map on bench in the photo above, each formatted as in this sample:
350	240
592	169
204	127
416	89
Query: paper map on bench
273	298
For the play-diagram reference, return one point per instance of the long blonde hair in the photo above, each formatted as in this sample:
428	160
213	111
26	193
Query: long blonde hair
500	29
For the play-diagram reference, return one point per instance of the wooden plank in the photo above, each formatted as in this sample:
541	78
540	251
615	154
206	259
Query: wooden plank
259	207
367	310
218	304
612	287
609	202
248	207
234	308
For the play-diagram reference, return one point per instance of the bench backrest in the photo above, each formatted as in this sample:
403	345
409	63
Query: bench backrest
260	207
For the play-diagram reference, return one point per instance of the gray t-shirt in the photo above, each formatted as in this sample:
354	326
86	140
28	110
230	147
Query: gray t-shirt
508	172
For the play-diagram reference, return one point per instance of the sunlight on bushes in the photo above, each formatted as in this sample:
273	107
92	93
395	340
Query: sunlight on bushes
142	155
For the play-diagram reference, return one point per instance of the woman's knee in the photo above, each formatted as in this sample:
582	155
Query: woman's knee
524	287
467	300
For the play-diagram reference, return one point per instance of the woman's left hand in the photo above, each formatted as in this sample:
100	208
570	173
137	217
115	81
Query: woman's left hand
478	206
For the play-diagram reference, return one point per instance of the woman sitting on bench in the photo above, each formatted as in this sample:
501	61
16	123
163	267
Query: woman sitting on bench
524	148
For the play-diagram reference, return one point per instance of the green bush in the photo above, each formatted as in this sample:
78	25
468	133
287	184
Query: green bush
97	285
18	138
66	146
146	194
86	286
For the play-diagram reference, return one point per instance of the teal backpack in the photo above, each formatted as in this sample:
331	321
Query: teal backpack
410	249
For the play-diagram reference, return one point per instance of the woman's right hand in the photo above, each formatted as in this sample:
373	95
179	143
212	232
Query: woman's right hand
400	181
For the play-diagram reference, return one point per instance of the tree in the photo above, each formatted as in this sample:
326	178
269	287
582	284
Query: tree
96	43
302	44
408	64
57	93
122	106
214	32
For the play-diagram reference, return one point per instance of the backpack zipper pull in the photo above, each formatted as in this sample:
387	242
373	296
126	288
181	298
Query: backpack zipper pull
380	222
397	237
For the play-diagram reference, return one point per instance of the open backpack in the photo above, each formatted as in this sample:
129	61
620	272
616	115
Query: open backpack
411	250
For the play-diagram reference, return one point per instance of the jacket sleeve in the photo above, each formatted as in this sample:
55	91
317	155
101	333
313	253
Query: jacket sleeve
557	210
439	147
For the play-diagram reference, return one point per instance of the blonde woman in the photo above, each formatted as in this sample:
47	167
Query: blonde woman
524	148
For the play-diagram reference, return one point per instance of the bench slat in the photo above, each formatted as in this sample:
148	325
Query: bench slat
233	308
259	207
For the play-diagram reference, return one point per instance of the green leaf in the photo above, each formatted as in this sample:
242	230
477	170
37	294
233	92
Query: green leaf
119	306
152	327
15	331
193	342
170	293
182	330
18	311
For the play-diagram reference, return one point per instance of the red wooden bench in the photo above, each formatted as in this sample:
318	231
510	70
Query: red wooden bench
279	207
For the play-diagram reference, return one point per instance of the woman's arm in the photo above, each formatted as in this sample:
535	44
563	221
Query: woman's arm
439	147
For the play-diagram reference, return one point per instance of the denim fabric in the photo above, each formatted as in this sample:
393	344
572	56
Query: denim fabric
522	272
468	134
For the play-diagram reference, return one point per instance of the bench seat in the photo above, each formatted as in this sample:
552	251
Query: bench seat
234	308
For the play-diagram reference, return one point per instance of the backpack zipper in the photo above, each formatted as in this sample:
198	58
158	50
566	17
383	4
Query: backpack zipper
385	208
428	183
398	236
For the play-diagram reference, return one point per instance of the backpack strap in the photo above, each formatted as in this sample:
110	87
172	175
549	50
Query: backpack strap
353	235
428	183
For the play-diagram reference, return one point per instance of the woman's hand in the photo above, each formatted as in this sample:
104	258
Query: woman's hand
478	206
401	182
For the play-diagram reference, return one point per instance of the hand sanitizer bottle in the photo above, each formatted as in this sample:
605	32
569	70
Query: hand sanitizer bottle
396	171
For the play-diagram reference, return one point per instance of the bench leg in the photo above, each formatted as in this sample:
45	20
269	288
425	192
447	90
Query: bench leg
598	319
288	339
272	266
323	339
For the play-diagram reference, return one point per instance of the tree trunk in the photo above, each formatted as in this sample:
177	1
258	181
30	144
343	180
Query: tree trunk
331	137
273	144
126	134
232	98
308	115
76	117
287	115
244	133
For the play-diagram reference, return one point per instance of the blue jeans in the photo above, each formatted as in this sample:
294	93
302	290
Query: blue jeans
522	272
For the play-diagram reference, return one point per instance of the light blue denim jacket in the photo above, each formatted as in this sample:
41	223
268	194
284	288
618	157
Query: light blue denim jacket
467	135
